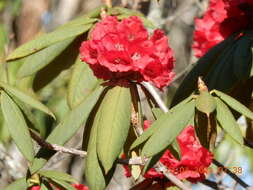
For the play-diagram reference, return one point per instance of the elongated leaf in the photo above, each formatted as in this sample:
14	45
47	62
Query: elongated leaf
233	103
63	184
19	184
113	125
37	61
82	83
26	98
220	77
46	40
243	58
57	175
93	170
162	117
67	128
228	122
202	68
17	126
205	103
169	129
125	13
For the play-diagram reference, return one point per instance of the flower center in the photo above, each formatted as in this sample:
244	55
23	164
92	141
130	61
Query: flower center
136	56
119	47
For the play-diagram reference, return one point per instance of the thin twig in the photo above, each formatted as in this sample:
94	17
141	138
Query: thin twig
231	174
161	167
56	147
214	185
62	149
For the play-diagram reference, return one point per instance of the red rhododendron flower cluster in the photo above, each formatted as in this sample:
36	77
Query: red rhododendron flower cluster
124	50
207	30
76	186
222	18
195	159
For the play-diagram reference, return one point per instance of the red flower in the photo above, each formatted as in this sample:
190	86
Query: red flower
35	187
123	50
195	159
80	187
207	30
223	18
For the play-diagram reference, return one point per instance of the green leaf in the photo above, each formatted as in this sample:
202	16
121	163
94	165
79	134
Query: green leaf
17	126
243	58
202	68
57	175
82	83
205	103
157	112
170	125
93	170
220	76
48	39
233	103
63	184
160	119
19	184
228	122
37	61
67	128
26	98
114	124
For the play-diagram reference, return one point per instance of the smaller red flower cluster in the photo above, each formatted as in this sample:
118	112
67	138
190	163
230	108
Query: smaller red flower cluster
207	29
76	186
223	18
123	50
195	159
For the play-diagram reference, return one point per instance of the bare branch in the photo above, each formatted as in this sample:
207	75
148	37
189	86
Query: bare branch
56	147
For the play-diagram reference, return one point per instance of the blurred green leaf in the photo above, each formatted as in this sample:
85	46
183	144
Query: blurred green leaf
26	99
125	13
57	175
113	125
67	128
3	42
82	83
48	39
19	184
169	126
205	103
236	105
17	126
37	61
228	122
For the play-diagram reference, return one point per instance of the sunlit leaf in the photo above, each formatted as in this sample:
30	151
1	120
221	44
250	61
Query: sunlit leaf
228	122
170	125
114	124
